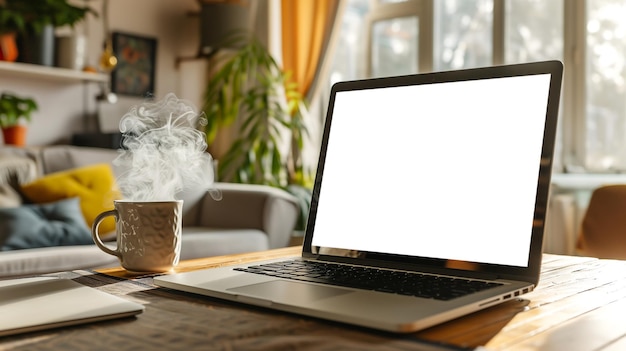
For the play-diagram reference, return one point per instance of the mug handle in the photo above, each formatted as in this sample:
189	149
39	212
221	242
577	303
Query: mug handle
96	237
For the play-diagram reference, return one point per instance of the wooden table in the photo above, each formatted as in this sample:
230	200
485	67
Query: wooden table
580	304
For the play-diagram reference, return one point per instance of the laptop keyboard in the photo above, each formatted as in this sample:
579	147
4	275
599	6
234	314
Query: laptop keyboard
398	282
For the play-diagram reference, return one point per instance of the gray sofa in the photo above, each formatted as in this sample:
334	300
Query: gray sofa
247	218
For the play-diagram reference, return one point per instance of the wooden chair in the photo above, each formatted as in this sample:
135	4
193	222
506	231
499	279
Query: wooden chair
603	228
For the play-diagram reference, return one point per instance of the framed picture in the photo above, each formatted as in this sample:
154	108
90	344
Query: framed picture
136	64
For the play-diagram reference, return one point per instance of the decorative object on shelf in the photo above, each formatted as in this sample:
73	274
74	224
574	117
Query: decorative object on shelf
37	48
8	47
108	61
71	51
8	31
34	22
15	112
136	64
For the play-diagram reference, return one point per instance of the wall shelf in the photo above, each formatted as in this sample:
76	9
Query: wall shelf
31	71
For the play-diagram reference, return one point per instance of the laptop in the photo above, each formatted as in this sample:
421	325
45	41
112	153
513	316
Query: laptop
429	202
39	303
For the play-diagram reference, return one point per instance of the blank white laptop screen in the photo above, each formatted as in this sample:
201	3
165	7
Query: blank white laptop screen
461	181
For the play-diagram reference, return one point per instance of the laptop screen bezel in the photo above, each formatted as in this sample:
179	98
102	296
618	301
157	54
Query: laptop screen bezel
530	273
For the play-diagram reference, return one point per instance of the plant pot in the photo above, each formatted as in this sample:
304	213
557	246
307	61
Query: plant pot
8	47
15	135
37	48
71	51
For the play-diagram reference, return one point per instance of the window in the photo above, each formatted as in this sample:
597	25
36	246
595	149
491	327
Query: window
533	30
394	49
463	34
387	37
605	75
350	48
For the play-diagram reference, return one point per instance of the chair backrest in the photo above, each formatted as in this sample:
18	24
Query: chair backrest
603	228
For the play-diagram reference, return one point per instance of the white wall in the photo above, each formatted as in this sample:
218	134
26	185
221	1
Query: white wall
63	106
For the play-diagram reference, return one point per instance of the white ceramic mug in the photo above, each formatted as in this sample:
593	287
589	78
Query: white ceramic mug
148	234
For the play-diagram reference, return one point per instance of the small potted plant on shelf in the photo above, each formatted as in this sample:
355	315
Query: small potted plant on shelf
10	23
34	21
15	112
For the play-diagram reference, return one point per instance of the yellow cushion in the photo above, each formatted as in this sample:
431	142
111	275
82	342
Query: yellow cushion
94	185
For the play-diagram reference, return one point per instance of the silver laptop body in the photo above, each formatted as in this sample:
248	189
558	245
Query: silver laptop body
39	303
443	173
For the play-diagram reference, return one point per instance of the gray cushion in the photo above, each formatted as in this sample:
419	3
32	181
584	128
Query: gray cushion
206	242
41	225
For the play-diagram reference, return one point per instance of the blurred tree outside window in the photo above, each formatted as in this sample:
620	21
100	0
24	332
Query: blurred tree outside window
380	38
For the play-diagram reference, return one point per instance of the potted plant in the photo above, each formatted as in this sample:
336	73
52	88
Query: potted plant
34	22
15	112
9	22
251	93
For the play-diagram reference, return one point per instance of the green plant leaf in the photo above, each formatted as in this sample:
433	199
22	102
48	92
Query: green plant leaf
251	89
14	108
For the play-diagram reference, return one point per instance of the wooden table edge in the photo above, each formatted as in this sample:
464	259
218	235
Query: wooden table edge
211	262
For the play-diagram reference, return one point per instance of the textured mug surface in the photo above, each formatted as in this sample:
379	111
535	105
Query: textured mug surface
148	234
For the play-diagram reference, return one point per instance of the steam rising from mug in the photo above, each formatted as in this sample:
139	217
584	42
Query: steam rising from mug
163	151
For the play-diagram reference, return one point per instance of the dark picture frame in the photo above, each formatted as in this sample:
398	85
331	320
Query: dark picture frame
136	64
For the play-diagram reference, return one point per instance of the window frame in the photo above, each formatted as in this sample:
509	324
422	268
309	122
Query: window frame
573	117
423	10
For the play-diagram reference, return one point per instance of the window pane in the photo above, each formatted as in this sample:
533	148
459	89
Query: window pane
394	47
606	91
534	30
463	36
348	62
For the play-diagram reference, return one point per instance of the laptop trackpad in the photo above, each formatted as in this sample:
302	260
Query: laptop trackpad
289	292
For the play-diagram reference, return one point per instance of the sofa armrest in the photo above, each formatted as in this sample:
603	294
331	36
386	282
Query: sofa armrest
272	210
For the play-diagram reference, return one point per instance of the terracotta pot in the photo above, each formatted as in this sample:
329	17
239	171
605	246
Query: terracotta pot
8	47
15	135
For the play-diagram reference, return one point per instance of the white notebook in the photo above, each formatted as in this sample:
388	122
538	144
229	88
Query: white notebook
30	304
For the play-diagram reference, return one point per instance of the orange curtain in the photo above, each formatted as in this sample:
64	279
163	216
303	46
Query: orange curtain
306	26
